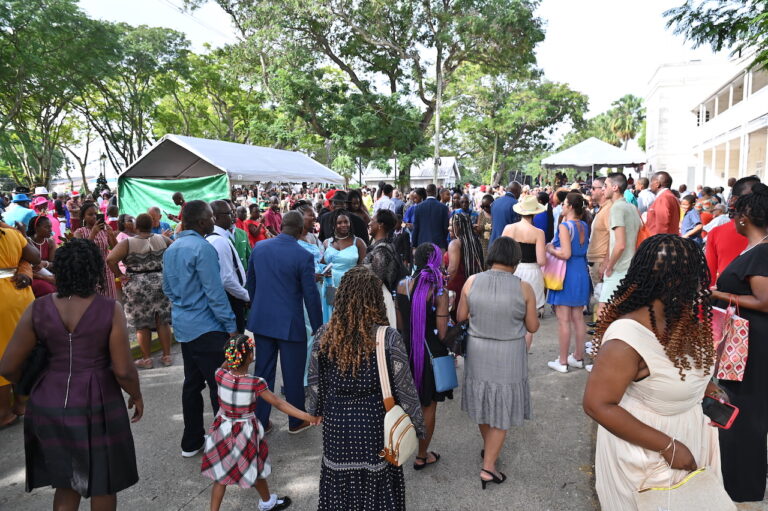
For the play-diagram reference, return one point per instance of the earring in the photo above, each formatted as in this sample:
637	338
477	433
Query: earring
741	223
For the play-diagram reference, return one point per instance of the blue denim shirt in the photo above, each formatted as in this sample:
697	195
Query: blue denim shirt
192	282
691	220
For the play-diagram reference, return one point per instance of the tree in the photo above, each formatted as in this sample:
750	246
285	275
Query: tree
498	122
345	166
121	106
76	140
626	117
598	127
387	52
739	25
49	52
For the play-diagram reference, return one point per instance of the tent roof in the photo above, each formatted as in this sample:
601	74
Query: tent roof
593	152
425	169
177	157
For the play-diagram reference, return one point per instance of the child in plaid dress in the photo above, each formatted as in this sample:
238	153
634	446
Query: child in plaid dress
235	450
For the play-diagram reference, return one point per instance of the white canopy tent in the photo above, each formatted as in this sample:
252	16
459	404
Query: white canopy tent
181	157
593	154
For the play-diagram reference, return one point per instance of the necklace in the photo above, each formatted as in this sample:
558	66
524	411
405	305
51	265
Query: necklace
340	237
38	245
756	244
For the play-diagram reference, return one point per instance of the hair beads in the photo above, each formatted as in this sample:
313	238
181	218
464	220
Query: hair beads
237	350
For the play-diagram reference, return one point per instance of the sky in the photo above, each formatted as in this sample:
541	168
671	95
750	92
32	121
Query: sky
602	48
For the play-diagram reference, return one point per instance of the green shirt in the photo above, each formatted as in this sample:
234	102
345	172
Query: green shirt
624	215
242	247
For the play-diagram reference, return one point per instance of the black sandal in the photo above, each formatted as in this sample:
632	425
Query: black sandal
496	479
422	466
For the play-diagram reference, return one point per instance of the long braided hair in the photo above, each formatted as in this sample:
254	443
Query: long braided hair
471	249
429	283
359	304
673	270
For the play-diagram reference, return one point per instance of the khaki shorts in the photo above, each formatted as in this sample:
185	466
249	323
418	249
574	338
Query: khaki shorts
594	270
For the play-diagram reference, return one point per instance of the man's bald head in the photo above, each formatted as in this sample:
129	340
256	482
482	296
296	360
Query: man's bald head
515	189
293	224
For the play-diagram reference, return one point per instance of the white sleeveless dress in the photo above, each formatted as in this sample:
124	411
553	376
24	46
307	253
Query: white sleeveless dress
662	401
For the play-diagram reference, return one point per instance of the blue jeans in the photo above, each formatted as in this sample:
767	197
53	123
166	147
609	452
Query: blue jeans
202	356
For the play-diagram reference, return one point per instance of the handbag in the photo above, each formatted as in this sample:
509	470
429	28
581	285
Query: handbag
701	489
554	272
730	334
330	295
400	442
642	234
444	369
456	338
36	362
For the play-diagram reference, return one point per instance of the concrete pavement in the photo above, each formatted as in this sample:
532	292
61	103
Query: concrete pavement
548	461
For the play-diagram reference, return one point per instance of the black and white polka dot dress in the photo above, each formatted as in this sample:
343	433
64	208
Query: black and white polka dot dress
353	476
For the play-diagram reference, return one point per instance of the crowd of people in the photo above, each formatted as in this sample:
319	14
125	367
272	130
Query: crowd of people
311	274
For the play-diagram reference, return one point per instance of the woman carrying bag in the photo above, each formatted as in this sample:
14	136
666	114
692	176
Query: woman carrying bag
344	388
653	368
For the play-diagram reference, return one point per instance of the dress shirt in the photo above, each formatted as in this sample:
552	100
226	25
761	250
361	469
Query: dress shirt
192	282
644	200
274	220
384	203
230	267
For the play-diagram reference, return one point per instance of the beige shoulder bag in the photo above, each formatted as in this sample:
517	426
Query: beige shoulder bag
400	440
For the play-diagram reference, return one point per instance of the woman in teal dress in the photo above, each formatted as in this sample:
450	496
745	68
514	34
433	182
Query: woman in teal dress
344	251
309	242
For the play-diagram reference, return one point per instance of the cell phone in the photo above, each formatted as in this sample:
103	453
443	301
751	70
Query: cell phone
327	269
99	218
720	413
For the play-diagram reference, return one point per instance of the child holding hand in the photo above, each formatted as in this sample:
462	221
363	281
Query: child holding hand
235	450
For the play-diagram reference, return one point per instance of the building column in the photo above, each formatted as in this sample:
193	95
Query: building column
730	96
713	163
727	163
743	153
747	84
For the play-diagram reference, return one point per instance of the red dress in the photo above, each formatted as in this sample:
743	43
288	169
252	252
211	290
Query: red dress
262	231
42	287
235	450
456	283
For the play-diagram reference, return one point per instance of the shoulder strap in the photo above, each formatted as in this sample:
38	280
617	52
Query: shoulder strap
381	361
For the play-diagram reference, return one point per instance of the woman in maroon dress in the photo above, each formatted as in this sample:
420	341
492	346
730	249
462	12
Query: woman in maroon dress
77	436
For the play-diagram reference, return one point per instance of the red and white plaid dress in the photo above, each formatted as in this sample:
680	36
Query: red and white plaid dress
235	450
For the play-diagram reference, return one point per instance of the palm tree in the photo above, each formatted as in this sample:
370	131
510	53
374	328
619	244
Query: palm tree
626	117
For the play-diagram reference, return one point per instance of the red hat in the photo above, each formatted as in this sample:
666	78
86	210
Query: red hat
483	188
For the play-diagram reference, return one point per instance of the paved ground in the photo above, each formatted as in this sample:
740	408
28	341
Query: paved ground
548	461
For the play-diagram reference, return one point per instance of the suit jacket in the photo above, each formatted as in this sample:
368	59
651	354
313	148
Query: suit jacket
281	280
502	214
664	214
430	223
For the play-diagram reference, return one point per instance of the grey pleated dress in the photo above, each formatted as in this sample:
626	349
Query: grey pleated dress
495	390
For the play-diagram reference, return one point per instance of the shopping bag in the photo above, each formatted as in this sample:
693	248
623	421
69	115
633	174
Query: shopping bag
730	334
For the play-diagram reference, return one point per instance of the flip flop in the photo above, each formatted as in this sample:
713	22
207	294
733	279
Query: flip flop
422	466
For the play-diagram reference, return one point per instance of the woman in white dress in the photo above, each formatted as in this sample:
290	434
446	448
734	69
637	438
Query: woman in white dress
533	248
652	370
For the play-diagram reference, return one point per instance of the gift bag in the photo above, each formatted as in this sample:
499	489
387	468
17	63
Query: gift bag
554	273
730	334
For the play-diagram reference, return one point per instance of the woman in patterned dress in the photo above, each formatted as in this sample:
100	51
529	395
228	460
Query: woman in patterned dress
146	305
235	450
104	237
344	389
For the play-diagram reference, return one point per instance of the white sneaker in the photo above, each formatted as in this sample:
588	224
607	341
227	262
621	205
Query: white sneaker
191	454
588	347
557	366
588	367
576	364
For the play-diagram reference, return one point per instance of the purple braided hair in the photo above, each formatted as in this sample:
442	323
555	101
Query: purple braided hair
430	279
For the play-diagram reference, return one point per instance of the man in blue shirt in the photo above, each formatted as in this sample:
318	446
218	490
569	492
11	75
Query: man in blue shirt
159	227
201	314
19	211
502	213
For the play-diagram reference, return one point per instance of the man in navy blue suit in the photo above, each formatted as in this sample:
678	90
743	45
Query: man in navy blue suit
430	221
281	281
502	212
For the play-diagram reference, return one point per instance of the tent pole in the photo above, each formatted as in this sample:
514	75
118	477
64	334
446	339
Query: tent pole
593	172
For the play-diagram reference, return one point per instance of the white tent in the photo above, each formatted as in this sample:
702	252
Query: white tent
180	157
593	154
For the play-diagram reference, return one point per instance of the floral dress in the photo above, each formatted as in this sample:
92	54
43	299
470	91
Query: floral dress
235	450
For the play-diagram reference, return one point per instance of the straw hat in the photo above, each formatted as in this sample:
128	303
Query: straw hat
529	205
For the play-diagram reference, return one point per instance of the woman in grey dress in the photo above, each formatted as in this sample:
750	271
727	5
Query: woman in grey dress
501	308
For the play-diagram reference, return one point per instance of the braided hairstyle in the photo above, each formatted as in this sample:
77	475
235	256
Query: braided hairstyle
754	205
78	268
471	249
428	285
673	270
359	304
302	206
236	351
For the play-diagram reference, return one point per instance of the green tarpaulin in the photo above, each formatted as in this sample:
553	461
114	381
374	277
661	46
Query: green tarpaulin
137	194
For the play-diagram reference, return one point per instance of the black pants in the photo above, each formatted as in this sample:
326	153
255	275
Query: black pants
202	356
238	309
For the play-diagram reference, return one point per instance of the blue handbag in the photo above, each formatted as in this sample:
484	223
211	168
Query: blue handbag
444	369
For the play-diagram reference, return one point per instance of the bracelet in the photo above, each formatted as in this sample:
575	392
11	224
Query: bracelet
671	443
